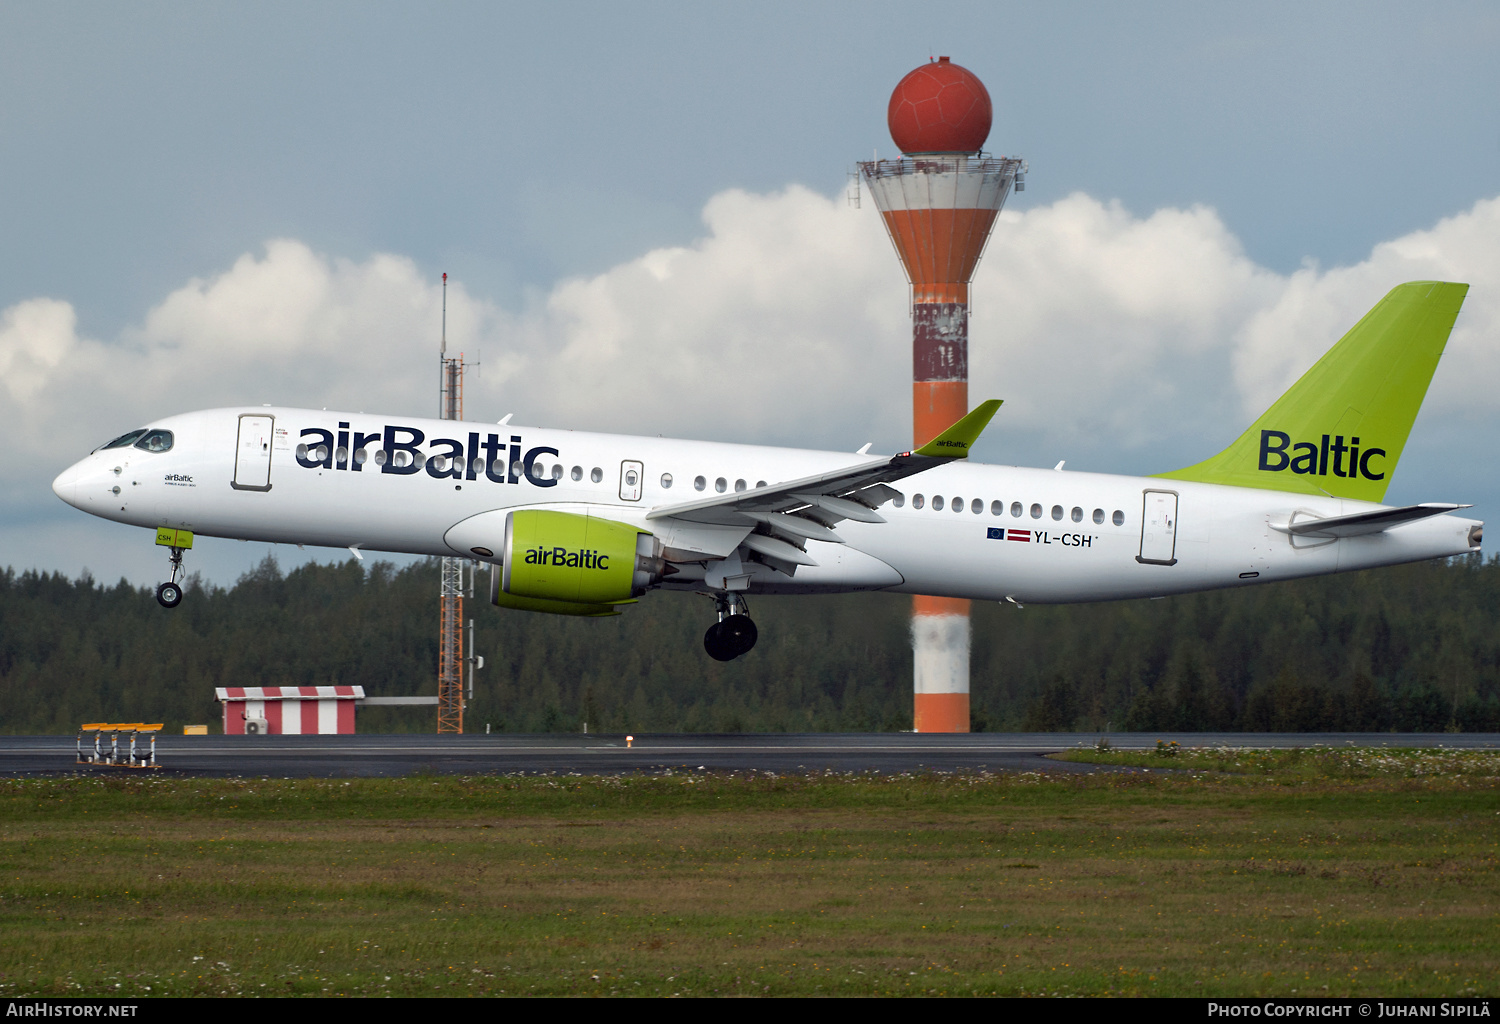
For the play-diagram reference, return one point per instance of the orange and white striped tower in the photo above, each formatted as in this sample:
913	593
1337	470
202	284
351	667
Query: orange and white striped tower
939	202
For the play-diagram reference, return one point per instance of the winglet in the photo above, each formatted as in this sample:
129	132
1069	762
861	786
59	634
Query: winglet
954	442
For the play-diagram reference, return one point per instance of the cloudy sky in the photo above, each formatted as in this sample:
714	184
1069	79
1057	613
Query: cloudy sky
642	209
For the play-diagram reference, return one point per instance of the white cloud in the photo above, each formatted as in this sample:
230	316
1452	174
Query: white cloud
1313	308
785	323
35	336
1094	322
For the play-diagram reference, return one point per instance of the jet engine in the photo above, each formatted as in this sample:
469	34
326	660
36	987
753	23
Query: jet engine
571	564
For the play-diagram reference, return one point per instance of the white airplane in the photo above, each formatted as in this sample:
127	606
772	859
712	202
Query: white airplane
581	524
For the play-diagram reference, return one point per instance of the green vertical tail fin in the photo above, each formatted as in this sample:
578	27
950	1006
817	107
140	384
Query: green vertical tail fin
1341	428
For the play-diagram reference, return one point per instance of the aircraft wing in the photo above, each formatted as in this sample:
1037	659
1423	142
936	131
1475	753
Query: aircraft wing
1361	523
808	508
861	484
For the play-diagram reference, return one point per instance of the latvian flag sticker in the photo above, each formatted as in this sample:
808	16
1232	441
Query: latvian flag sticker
995	533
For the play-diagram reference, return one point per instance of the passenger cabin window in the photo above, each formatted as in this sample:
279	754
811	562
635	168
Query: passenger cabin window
1099	516
916	501
997	508
937	502
1077	514
739	485
156	441
577	473
1036	511
596	474
976	506
557	471
1119	518
699	483
899	500
1057	512
666	481
1015	509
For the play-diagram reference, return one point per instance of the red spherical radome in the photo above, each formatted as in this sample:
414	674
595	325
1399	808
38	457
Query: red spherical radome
940	108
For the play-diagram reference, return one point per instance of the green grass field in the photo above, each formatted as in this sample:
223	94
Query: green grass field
1362	874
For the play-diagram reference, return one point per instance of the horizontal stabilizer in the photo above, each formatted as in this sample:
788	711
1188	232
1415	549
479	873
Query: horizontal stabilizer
1361	523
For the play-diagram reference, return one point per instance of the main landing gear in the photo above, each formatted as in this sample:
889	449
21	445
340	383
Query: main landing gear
734	634
169	594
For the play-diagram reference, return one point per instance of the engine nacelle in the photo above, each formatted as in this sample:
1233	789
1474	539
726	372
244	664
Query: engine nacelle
571	564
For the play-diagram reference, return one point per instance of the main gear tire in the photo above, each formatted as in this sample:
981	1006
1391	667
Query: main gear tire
716	645
169	595
739	632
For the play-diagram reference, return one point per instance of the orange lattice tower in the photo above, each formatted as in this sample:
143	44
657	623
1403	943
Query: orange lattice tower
450	716
939	202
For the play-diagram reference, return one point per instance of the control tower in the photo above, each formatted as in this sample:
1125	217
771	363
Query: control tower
939	202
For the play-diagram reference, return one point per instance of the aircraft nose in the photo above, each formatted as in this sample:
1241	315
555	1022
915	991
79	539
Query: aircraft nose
66	484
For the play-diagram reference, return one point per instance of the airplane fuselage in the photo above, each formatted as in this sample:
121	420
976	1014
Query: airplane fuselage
963	529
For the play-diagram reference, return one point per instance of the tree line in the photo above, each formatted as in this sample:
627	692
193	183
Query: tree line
1413	647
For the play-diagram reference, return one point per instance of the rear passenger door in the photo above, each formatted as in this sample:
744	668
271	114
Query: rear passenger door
1158	528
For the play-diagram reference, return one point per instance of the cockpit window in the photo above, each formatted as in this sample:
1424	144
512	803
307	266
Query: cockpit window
124	440
156	441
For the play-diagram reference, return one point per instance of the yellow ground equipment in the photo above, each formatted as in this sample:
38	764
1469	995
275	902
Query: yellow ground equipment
114	757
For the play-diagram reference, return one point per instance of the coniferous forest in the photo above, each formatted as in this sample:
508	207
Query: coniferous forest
1408	648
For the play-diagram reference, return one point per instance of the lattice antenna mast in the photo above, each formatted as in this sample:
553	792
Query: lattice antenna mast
451	589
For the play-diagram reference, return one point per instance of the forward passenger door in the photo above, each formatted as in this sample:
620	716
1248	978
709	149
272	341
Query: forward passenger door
252	454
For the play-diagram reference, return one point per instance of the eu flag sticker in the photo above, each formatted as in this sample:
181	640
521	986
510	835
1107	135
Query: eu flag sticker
995	533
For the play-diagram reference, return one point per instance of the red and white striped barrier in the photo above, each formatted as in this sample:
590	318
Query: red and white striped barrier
289	710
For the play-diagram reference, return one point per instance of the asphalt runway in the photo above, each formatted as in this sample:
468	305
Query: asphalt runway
397	755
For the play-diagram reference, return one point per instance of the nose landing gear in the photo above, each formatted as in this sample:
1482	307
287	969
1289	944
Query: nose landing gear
169	594
734	634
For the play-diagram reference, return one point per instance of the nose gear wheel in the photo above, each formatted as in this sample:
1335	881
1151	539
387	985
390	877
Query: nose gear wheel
169	594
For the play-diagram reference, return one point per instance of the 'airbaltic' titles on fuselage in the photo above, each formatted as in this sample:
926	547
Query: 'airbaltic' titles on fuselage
1313	459
446	459
586	558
